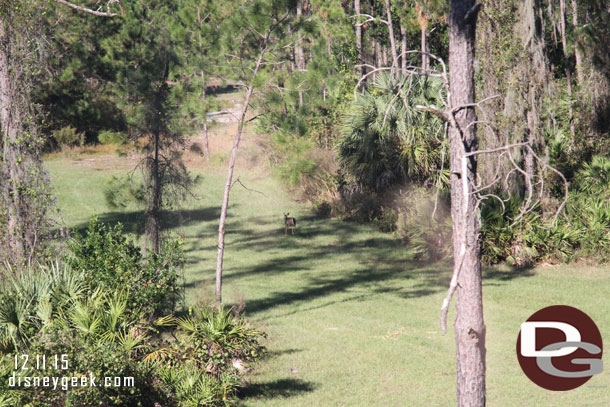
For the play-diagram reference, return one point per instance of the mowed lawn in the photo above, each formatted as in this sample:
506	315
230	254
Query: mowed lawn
352	319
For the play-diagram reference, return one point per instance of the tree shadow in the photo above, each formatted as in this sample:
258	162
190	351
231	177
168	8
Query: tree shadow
278	388
134	221
497	275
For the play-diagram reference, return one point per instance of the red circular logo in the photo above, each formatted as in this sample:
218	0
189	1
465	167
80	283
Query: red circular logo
560	348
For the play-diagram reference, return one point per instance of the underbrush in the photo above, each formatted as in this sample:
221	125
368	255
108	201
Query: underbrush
108	311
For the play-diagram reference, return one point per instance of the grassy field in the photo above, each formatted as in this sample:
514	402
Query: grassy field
352	319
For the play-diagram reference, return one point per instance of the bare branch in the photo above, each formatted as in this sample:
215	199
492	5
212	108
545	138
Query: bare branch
87	10
238	181
369	18
434	111
495	150
452	287
478	104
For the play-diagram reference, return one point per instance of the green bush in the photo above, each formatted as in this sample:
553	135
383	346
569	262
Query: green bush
68	136
111	137
109	260
198	359
213	348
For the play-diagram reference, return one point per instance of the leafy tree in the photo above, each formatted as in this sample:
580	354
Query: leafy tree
145	59
195	26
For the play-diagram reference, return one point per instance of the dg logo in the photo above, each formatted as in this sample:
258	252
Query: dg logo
560	348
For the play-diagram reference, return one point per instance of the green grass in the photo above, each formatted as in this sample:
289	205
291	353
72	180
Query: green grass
352	319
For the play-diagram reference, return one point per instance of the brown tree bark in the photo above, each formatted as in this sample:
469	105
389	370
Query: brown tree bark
469	326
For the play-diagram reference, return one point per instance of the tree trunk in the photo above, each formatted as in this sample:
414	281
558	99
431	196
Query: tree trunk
359	38
206	144
388	11
469	326
425	59
154	216
12	173
566	59
403	49
577	52
300	57
374	51
229	183
528	161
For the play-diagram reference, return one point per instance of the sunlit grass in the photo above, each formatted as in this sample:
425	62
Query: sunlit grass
352	319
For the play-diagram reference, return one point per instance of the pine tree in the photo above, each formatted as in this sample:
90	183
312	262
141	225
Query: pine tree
146	60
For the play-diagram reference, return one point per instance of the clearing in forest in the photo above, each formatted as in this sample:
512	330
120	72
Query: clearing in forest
352	319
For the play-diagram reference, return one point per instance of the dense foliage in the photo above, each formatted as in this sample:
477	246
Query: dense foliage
95	308
108	260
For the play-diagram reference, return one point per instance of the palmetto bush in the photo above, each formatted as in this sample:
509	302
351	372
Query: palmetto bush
213	348
192	360
386	140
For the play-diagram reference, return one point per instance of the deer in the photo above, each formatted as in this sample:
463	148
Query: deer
290	223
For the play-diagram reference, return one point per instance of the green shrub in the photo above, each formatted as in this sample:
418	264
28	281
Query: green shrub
68	136
111	137
213	348
109	260
198	362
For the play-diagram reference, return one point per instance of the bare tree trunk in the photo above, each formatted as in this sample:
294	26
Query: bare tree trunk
300	58
403	49
229	183
425	59
469	326
577	52
528	161
154	215
359	38
388	11
374	57
206	144
12	172
566	59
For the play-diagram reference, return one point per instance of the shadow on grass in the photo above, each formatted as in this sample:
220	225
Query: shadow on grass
497	275
277	388
378	265
133	221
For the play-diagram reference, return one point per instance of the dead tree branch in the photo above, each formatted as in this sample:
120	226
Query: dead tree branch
88	10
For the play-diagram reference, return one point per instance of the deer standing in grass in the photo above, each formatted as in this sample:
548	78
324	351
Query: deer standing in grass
290	223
